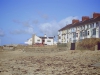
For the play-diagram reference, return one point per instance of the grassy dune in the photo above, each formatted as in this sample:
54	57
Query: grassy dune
20	62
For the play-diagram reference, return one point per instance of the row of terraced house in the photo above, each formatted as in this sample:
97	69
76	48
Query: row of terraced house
79	30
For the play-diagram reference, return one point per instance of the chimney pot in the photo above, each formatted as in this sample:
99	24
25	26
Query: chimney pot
95	15
85	18
75	21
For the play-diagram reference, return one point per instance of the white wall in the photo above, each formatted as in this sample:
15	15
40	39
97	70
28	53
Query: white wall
49	41
60	35
87	27
37	39
29	41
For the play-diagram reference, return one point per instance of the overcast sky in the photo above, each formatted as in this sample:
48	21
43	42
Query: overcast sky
19	19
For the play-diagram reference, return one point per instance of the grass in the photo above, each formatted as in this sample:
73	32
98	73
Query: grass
88	44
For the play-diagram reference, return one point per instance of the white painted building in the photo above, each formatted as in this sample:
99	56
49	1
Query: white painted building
29	41
40	40
79	30
47	40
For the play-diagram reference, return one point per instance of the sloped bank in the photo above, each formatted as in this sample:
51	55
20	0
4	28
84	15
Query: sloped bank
45	50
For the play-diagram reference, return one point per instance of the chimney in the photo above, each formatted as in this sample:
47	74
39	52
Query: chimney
95	15
85	18
33	39
75	21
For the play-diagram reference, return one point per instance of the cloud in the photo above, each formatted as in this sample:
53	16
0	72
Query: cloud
51	29
44	16
23	31
35	21
26	24
27	28
67	20
16	21
1	32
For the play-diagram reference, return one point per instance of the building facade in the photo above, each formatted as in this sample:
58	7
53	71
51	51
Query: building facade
35	40
29	41
79	30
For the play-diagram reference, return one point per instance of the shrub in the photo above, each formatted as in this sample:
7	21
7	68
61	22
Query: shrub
61	45
88	43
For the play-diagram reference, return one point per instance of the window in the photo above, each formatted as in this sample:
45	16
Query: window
93	25
85	33
59	37
48	40
70	39
62	40
90	25
87	26
81	33
94	31
88	32
76	34
97	24
83	27
38	40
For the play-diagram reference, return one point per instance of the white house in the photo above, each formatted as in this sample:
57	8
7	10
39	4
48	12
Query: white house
40	40
79	30
29	41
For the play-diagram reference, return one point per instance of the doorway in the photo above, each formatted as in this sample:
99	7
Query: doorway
72	46
99	46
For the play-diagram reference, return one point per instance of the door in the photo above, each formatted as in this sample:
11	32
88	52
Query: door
72	46
99	46
43	41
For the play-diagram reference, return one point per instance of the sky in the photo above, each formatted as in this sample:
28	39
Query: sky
20	19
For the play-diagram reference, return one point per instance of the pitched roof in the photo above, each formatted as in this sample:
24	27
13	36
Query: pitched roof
65	27
81	23
46	37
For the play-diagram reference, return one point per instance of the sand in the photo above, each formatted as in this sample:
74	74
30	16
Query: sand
68	62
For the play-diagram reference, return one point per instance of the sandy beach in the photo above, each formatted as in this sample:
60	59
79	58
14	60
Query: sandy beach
68	62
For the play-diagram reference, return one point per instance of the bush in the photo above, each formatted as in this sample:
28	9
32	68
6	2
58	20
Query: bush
88	43
61	44
0	47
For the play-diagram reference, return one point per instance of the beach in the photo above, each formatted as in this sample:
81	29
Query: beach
69	62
